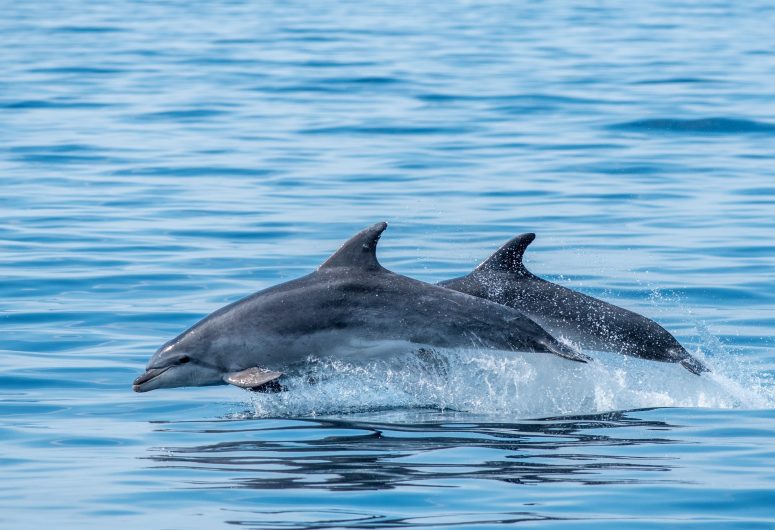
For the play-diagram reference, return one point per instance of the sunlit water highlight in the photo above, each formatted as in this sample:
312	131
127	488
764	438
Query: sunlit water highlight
159	160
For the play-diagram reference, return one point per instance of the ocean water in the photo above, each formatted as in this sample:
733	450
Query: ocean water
159	160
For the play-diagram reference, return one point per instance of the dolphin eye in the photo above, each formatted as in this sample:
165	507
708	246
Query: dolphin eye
184	359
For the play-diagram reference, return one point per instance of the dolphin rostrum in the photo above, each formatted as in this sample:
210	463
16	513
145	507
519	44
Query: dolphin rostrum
350	308
589	322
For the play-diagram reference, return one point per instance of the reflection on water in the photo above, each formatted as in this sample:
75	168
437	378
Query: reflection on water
342	519
351	455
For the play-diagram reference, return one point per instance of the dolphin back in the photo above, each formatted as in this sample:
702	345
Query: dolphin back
351	301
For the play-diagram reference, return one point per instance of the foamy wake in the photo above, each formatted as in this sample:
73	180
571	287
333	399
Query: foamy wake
521	385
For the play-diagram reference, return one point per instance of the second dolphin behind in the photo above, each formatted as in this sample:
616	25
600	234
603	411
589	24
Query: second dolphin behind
591	323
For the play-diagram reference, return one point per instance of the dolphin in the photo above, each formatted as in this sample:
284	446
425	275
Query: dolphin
590	323
350	308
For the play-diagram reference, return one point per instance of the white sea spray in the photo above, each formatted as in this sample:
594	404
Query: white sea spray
519	385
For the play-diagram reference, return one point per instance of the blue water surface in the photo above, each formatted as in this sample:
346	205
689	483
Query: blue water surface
160	159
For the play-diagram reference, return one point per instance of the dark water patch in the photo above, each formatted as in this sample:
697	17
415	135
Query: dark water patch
183	115
729	251
523	109
63	318
79	70
615	197
699	126
63	159
33	104
232	235
711	294
607	167
332	63
294	88
80	282
249	67
312	39
517	193
60	341
577	146
416	164
239	40
17	407
756	191
365	80
380	177
387	130
55	380
193	171
61	263
133	53
167	316
87	29
88	441
55	148
149	252
58	220
380	31
677	81
766	250
548	100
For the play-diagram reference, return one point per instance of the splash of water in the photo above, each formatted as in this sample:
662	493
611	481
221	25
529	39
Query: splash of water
519	385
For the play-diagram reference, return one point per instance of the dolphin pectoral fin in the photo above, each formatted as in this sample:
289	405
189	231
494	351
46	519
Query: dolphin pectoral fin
252	378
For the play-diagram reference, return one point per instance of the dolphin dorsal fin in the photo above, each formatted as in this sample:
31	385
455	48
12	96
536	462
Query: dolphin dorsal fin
360	251
508	258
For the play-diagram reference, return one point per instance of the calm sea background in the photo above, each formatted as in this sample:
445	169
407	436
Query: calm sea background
158	160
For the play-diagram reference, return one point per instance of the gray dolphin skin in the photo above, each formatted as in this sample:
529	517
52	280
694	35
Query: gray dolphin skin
591	323
350	308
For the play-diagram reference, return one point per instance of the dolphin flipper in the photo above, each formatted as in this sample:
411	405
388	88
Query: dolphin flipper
252	378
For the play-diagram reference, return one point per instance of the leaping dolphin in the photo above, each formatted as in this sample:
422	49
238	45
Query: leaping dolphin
589	322
349	308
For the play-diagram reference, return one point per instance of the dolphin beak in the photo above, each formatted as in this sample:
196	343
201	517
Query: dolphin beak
149	375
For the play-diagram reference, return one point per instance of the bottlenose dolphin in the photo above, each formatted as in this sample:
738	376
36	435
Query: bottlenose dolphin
350	308
589	322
